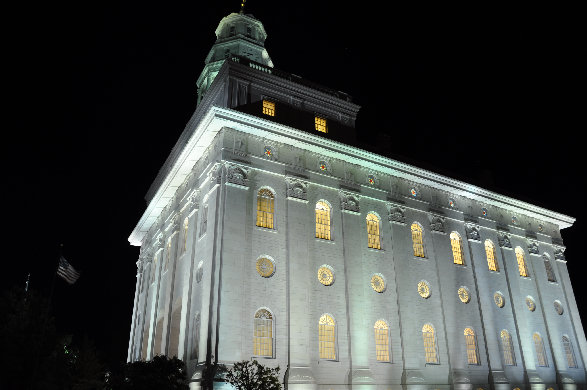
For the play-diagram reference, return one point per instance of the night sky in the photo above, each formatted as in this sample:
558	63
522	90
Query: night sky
98	93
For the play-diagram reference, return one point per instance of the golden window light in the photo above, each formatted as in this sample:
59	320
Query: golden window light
268	108
463	294
540	352
569	354
265	267
471	343
320	124
265	208
381	341
508	348
457	248
490	253
417	240
325	276
521	262
327	337
373	239
429	344
423	289
322	220
377	283
263	333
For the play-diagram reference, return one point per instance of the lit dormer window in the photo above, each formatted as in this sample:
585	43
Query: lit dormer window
268	108
320	124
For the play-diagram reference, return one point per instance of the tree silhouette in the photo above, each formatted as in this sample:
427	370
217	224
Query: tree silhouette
253	375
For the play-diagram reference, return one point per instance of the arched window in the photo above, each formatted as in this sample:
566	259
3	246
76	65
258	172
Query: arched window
263	333
490	252
417	240
382	341
327	337
471	343
457	248
265	208
540	352
508	348
430	344
322	220
549	271
521	262
373	240
569	354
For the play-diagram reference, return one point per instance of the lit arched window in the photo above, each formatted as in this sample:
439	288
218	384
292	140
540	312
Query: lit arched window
490	252
549	271
263	333
508	348
569	354
457	248
382	341
417	240
327	337
373	240
322	220
185	233
521	262
540	352
265	208
471	342
430	344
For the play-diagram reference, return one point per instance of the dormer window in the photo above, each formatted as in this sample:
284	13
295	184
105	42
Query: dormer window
268	108
232	30
320	124
249	31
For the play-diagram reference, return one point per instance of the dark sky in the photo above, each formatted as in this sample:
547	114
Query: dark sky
99	92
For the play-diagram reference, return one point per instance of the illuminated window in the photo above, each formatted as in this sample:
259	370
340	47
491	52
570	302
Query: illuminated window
569	354
382	341
490	252
508	348
263	333
430	344
457	248
471	342
521	262
549	271
327	337
265	208
268	108
373	240
322	220
185	233
540	352
417	240
320	124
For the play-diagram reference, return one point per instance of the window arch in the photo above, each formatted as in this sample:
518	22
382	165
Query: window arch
457	248
265	208
373	237
263	333
569	354
382	341
521	262
429	337
417	240
491	258
540	352
549	270
327	337
323	220
508	348
471	343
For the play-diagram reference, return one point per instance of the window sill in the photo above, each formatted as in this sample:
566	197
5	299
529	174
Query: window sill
264	229
324	240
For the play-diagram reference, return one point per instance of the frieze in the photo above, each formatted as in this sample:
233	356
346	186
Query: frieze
437	223
236	174
533	247
396	213
349	201
559	253
472	231
504	240
193	200
296	188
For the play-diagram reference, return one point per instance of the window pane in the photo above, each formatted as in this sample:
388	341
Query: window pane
373	232
382	341
320	124
268	108
263	334
471	342
508	349
540	352
322	221
417	240
490	252
521	262
429	344
265	200
326	337
457	250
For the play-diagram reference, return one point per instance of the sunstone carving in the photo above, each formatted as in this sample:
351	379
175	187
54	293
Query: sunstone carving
559	253
396	213
296	188
504	240
349	202
533	247
237	174
472	231
437	223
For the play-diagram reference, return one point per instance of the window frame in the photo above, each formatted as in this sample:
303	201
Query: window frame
320	232
263	339
322	342
320	121
507	346
261	214
384	347
373	239
521	259
430	350
456	245
493	259
420	233
472	347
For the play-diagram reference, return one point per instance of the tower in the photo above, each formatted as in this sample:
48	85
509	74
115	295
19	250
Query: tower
268	235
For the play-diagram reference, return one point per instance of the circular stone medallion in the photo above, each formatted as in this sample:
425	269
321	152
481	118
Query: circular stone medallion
377	283
325	276
265	267
498	299
424	289
464	295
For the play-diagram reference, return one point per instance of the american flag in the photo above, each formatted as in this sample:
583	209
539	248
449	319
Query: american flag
66	271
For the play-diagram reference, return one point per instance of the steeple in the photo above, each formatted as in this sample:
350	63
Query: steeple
239	35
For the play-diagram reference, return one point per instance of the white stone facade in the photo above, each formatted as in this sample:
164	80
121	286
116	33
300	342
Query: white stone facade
198	288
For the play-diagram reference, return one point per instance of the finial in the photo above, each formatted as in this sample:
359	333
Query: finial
243	6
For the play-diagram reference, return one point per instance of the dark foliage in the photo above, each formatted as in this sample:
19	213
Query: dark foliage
253	375
161	373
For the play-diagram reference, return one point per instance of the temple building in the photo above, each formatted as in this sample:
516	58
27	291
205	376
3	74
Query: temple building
267	235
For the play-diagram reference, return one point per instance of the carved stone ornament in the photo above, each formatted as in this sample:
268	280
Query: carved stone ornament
174	223
159	242
193	200
532	247
140	267
237	174
437	223
472	231
349	202
296	188
215	173
396	214
559	253
504	240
